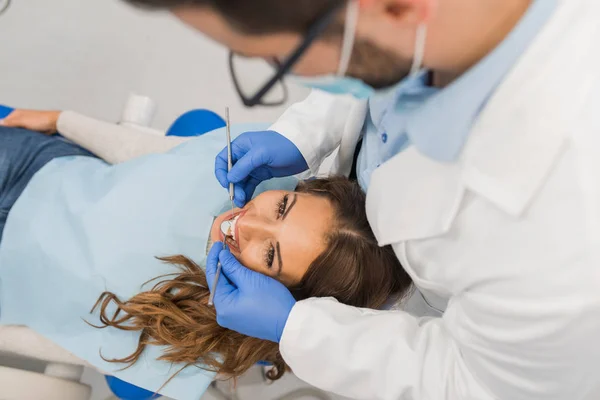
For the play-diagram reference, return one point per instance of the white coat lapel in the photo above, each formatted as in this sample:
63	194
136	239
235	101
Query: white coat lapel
413	197
511	150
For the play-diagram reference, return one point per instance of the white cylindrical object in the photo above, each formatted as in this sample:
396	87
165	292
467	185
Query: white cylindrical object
138	111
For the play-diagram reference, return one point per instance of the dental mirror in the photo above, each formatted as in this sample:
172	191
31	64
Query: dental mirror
226	227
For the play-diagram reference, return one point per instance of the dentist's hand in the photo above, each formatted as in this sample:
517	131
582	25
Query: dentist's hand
258	156
246	301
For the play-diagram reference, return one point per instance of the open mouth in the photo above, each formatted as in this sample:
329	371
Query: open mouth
231	236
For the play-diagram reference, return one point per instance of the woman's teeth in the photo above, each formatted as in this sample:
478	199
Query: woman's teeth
228	229
233	223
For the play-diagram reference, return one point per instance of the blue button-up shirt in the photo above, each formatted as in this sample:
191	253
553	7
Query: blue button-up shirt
438	121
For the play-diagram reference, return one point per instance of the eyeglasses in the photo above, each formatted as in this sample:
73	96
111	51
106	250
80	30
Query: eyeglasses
274	91
4	4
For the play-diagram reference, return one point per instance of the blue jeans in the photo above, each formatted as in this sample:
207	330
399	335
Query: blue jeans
22	154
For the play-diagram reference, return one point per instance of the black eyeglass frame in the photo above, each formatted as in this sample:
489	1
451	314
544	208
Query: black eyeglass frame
314	31
4	7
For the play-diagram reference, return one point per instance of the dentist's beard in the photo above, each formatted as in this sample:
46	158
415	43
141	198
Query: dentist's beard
377	67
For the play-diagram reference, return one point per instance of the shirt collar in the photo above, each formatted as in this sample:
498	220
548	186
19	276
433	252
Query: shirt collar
440	125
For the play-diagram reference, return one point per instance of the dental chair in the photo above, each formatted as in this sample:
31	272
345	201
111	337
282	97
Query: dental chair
57	373
61	375
59	378
43	370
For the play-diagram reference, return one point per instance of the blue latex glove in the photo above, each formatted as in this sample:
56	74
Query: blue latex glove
258	156
246	301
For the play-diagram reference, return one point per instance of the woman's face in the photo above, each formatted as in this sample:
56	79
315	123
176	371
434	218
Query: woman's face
279	233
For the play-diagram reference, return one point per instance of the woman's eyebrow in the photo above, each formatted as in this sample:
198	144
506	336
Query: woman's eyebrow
279	259
290	207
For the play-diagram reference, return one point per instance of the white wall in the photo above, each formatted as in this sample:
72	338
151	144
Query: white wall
88	55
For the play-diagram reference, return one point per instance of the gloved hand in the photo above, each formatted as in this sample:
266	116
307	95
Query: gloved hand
246	301
258	156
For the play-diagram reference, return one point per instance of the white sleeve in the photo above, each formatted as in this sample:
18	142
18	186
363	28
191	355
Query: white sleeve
316	125
375	355
113	143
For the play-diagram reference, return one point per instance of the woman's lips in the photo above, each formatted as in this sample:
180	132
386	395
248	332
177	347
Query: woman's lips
229	242
233	244
237	227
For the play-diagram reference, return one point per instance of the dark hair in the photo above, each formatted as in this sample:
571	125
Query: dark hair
255	16
356	270
175	312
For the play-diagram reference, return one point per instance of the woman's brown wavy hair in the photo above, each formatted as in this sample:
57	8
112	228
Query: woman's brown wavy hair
175	312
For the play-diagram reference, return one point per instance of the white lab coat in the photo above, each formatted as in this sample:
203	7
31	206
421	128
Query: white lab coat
506	241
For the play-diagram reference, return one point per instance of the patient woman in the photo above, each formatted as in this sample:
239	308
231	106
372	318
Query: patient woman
78	233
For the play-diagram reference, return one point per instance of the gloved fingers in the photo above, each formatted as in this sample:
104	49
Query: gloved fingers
253	159
238	274
224	287
221	175
211	263
239	147
250	187
239	195
222	168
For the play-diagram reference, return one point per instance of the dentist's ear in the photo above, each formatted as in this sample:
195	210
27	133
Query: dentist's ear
391	24
405	11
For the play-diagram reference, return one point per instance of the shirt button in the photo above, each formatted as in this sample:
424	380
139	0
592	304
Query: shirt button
384	137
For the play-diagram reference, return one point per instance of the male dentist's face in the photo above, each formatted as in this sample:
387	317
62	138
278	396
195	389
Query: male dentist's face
377	65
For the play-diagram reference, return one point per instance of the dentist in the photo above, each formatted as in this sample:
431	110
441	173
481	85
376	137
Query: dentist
474	126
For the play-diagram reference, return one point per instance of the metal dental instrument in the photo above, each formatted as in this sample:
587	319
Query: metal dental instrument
224	231
229	160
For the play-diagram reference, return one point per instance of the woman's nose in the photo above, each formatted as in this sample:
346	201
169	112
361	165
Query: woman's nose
254	227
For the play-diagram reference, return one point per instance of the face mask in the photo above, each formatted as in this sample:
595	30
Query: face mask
336	85
341	84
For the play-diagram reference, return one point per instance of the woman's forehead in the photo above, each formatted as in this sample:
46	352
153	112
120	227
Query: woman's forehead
303	234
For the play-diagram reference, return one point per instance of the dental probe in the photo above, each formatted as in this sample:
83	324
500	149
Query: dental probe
225	225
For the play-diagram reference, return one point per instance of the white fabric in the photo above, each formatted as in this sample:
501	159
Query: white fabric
506	241
322	124
113	143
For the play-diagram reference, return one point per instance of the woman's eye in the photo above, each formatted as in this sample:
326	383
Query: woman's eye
270	256
281	206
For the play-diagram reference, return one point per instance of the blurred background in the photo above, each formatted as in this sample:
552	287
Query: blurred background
88	56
